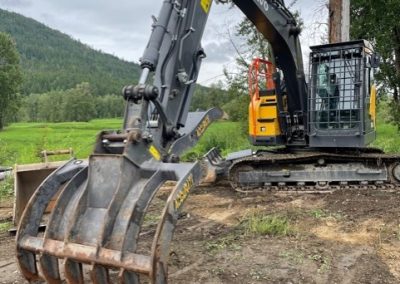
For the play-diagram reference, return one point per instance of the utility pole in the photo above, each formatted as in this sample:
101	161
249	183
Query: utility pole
339	20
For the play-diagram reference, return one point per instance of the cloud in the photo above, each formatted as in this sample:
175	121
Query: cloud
219	52
15	3
123	27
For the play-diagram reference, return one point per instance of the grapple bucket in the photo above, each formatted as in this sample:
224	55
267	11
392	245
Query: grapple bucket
97	219
98	216
28	177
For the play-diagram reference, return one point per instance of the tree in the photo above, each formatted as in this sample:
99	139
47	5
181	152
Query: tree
109	106
76	104
254	46
208	97
79	103
10	76
377	21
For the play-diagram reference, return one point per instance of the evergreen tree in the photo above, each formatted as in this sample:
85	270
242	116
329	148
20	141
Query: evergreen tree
10	77
52	60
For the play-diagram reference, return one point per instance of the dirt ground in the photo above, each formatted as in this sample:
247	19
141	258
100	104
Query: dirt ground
340	237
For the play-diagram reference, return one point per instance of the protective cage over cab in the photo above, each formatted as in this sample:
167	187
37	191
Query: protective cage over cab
342	95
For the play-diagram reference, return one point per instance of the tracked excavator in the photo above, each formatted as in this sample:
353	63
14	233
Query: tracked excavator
323	128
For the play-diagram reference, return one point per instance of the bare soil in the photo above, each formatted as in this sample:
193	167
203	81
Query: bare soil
340	237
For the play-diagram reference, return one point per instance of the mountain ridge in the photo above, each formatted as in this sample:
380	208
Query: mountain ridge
52	60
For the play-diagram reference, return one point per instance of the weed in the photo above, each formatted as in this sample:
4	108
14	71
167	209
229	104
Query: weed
323	262
224	135
321	214
386	232
228	242
293	256
217	271
191	156
387	137
7	188
257	274
151	219
398	233
4	227
6	154
318	213
260	224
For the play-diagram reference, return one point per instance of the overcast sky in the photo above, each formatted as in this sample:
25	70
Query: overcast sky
122	27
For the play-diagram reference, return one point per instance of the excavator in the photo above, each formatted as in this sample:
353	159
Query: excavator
322	127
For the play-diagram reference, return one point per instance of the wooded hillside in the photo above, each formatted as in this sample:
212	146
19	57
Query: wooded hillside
52	60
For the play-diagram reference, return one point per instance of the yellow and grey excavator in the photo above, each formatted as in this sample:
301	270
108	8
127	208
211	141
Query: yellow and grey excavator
324	127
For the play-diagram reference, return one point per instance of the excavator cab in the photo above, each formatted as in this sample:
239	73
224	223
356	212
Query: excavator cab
342	95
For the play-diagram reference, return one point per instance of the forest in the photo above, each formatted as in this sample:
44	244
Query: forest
66	80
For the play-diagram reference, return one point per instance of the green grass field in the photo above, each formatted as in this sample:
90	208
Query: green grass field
388	138
22	142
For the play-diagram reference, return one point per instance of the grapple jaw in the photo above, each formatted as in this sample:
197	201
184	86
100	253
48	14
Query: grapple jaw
99	212
97	220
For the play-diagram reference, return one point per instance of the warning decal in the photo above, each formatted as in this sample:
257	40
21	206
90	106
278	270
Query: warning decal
206	5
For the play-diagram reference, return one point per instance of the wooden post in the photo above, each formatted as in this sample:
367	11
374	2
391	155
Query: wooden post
339	20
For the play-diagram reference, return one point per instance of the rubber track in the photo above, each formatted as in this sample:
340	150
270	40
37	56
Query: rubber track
369	155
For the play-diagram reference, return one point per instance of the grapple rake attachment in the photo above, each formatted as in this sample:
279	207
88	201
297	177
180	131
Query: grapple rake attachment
99	213
97	221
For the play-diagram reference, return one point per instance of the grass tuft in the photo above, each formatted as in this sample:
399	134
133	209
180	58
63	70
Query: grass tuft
271	225
5	226
387	137
231	241
7	188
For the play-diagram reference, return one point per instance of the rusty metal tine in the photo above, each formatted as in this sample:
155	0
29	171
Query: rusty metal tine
116	229
87	254
27	265
121	279
189	176
73	272
122	229
99	274
50	269
30	221
56	226
65	207
143	195
130	184
98	217
126	277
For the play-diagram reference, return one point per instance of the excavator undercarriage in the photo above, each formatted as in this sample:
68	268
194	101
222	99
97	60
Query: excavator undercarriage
313	171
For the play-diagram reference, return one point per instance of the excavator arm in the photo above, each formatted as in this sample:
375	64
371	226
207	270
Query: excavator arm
101	204
282	31
174	54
